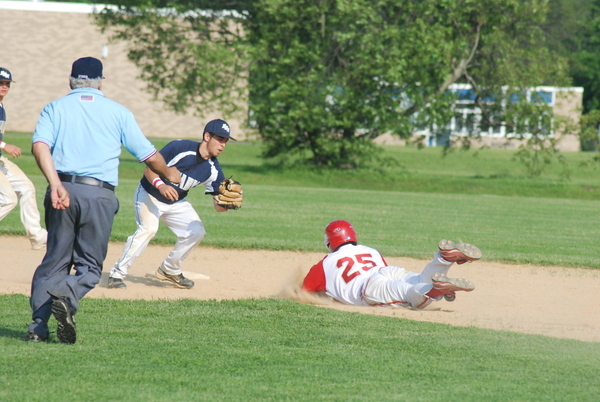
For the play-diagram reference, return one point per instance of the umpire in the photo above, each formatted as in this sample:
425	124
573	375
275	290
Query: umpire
76	144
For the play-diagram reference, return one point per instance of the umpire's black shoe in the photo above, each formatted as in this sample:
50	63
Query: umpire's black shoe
64	314
116	283
33	337
179	280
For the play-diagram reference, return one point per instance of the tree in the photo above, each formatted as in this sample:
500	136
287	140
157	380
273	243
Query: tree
192	54
326	77
329	76
573	31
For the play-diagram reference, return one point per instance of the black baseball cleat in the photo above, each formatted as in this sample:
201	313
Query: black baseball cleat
33	337
64	314
179	280
116	283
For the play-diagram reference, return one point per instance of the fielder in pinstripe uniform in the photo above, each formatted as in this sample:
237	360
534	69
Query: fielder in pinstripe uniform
157	200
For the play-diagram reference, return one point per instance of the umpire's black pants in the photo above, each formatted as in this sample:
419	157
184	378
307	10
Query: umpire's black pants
77	238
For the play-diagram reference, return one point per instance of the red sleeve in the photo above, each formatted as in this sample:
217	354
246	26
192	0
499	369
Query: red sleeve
315	279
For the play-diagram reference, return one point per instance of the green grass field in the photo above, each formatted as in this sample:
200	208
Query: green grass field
403	211
274	350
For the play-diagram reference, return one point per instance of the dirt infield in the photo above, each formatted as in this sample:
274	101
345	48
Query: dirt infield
551	301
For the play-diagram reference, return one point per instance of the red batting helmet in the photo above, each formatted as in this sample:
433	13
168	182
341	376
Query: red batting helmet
338	233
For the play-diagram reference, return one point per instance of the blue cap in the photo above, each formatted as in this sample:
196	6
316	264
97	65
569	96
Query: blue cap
87	67
5	75
219	127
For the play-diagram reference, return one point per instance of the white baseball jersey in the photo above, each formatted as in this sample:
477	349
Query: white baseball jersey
359	275
344	273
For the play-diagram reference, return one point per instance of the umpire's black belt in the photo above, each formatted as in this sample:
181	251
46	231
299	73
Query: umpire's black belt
90	181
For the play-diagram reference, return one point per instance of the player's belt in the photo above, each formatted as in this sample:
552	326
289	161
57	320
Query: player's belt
90	181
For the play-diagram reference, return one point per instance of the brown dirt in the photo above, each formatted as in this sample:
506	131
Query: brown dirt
551	301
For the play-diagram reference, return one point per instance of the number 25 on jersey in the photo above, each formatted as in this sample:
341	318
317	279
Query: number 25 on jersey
358	262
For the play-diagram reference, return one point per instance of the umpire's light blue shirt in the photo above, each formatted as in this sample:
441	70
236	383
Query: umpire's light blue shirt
85	131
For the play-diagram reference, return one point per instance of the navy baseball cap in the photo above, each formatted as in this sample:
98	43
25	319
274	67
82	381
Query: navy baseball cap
219	127
5	75
87	67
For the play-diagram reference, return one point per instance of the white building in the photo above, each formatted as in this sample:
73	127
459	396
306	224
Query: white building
467	119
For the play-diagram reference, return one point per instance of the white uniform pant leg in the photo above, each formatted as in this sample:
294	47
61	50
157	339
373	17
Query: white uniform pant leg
15	185
184	221
147	214
421	284
8	196
438	264
395	286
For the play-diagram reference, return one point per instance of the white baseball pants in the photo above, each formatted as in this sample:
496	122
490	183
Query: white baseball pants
395	286
15	187
180	217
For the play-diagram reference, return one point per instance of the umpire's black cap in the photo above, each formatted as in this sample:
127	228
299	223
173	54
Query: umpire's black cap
5	75
219	127
87	67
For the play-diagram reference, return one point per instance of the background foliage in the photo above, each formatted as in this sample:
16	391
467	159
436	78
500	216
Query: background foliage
572	28
573	31
325	78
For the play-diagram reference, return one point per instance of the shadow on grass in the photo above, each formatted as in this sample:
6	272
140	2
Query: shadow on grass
11	333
